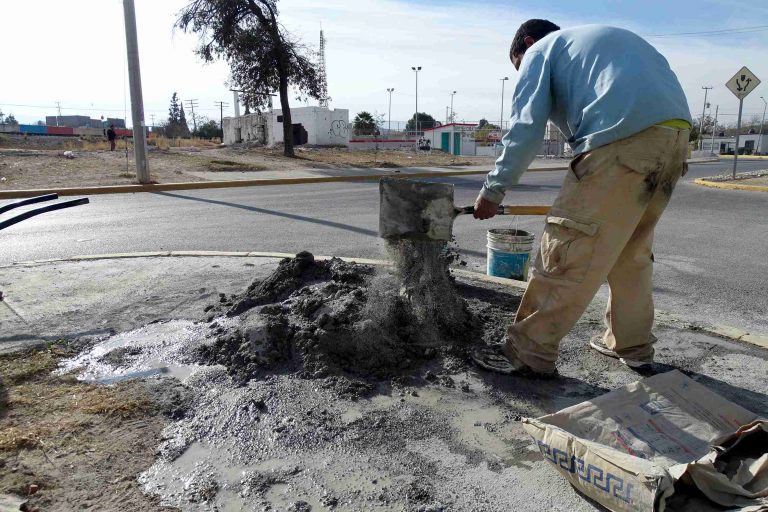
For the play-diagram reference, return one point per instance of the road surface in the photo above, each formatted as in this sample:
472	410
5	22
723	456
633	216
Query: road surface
711	244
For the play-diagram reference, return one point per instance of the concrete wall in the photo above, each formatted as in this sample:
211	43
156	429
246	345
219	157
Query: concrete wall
324	127
250	128
726	144
362	145
487	151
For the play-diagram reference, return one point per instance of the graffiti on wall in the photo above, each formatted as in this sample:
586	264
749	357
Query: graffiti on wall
339	128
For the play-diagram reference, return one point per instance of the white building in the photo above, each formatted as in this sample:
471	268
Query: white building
749	144
317	126
453	138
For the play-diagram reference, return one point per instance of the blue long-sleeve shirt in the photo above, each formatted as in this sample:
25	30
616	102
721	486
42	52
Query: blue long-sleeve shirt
597	84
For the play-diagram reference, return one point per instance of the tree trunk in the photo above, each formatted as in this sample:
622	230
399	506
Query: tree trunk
287	124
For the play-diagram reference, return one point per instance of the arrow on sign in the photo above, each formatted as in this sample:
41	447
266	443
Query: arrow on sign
742	83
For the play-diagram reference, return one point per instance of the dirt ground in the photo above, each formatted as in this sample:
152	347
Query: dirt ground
67	445
24	165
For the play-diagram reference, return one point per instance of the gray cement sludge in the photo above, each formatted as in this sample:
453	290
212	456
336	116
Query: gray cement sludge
322	318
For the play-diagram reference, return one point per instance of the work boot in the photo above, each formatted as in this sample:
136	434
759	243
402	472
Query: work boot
598	343
498	359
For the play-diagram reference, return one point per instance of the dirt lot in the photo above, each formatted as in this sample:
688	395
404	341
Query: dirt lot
26	165
67	445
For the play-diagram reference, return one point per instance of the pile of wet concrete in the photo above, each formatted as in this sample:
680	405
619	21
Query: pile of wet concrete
320	318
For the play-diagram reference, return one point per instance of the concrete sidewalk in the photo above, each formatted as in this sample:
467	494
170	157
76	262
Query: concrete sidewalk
46	302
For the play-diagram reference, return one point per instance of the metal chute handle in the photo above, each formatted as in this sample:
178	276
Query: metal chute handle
511	210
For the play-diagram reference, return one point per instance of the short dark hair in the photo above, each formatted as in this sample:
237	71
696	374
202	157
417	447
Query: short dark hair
534	28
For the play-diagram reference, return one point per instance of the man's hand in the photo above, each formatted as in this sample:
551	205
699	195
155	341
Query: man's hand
485	209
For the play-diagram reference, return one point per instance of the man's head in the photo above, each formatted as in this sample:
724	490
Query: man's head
528	33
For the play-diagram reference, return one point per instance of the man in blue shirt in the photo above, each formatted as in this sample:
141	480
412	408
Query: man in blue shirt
623	112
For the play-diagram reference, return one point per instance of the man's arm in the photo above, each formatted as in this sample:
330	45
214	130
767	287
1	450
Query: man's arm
531	107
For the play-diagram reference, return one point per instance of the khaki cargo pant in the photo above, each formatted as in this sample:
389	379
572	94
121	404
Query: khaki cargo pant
601	227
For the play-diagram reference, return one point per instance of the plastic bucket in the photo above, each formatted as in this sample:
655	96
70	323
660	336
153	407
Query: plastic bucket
509	253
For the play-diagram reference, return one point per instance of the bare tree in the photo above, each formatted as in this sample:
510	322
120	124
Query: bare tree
262	56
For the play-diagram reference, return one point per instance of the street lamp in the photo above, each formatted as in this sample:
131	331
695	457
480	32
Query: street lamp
501	123
452	95
417	69
760	139
389	129
703	111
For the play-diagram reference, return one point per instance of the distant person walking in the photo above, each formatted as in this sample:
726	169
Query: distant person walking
111	136
625	116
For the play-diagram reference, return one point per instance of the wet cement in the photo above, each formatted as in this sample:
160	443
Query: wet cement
321	318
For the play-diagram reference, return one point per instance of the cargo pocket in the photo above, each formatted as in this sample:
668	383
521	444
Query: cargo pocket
567	246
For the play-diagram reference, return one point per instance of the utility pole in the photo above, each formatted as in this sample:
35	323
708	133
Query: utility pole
221	106
152	116
58	112
137	101
714	128
703	110
417	69
452	114
192	104
760	138
390	90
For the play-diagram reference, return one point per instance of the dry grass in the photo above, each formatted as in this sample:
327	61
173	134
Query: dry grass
166	143
231	165
41	409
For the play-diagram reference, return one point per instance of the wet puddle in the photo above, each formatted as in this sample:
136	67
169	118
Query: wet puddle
161	348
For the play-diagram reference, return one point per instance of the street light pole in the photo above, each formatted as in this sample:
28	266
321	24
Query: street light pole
389	123
501	121
452	115
760	139
703	110
714	127
417	69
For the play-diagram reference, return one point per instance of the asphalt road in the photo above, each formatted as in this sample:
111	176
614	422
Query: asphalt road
711	245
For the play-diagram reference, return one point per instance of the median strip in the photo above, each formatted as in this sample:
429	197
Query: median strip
730	186
198	185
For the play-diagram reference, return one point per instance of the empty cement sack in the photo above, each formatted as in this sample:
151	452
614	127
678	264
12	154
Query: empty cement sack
662	443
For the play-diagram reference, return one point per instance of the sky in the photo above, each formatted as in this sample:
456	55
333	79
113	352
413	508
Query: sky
73	53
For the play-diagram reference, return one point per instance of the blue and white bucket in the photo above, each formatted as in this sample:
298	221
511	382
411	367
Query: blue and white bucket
509	253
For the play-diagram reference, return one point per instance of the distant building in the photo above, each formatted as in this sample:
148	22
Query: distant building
749	144
453	138
73	121
317	126
119	123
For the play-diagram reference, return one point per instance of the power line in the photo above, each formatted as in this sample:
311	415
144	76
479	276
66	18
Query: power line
742	30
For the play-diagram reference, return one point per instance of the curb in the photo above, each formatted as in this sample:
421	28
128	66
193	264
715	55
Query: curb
743	157
730	186
522	285
197	185
722	331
